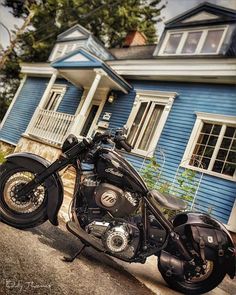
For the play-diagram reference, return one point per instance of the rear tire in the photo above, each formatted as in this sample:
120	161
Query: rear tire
196	287
21	214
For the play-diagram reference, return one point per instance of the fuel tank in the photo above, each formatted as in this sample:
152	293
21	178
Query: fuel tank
113	168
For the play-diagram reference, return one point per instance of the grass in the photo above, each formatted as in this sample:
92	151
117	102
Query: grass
3	154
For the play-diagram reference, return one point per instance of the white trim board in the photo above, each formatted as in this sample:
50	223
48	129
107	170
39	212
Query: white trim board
160	98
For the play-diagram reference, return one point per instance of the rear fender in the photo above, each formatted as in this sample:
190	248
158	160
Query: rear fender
182	222
53	183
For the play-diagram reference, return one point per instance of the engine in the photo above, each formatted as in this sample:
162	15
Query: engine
105	216
115	200
119	238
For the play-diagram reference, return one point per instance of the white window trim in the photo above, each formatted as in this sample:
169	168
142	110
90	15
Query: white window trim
59	88
201	41
201	119
163	98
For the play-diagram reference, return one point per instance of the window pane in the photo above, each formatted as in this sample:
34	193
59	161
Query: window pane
191	42
205	163
52	100
212	140
232	157
60	49
218	166
89	120
222	154
69	47
216	129
212	41
173	43
230	131
226	143
208	152
151	127
207	128
234	145
136	124
229	169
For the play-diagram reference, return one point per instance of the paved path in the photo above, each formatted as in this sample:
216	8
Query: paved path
30	263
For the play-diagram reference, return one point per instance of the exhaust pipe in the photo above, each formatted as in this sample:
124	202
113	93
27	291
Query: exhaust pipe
171	265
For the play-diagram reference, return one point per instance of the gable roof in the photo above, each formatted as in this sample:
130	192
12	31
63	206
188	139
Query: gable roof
76	32
82	59
202	14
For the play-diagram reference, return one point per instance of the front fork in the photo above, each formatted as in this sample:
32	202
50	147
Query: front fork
168	227
58	165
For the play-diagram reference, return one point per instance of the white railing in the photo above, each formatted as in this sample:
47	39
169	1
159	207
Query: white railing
50	126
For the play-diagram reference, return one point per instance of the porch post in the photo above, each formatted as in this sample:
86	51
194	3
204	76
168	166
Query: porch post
80	118
48	89
43	100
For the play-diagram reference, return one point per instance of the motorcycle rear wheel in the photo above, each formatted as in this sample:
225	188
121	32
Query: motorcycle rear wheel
205	283
24	213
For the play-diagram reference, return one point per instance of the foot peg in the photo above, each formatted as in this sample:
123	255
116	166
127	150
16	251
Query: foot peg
72	258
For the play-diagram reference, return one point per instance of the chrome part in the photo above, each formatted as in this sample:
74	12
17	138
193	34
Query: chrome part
116	239
30	203
109	198
133	201
97	228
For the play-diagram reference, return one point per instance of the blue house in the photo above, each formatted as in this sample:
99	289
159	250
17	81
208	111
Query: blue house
178	99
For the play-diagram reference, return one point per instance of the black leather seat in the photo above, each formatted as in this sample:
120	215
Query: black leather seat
168	201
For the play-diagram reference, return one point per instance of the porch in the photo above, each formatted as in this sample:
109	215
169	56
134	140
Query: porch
86	72
50	126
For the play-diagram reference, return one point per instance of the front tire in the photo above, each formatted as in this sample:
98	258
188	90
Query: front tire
197	286
25	213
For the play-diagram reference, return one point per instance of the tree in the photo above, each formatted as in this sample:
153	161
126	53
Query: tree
108	20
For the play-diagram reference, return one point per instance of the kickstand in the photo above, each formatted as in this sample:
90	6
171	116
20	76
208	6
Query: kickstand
72	258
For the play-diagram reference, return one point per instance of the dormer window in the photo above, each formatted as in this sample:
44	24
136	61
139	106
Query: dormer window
64	48
198	41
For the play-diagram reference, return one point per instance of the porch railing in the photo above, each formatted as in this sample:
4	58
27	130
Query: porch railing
50	126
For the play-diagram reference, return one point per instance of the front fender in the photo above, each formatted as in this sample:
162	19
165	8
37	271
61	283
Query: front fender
53	183
183	220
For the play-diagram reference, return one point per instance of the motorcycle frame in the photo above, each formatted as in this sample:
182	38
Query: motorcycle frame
73	157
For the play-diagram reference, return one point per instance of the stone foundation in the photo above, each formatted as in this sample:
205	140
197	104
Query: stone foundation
6	147
51	153
35	146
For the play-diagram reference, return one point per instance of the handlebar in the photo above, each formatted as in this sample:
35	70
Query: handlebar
119	139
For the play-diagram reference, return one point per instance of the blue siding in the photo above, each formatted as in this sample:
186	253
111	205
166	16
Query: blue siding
28	100
71	98
214	193
23	109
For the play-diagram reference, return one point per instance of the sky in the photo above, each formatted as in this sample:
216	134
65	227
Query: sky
173	8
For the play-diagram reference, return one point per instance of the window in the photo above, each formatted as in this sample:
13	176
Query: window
194	41
212	41
147	120
212	145
64	48
191	42
55	97
172	43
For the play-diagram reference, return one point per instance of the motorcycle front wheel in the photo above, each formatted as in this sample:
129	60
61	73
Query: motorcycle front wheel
197	285
27	211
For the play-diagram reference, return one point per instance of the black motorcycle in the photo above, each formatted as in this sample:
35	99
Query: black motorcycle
114	212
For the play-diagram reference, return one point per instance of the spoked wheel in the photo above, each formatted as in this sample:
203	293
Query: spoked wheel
199	284
25	211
